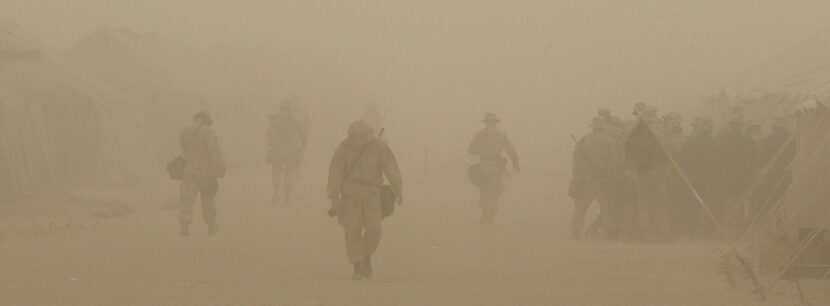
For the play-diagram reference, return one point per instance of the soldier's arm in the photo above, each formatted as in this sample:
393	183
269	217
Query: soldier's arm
337	171
475	147
215	154
391	170
578	162
511	152
272	132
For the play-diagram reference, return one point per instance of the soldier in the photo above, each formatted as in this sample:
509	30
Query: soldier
673	131
646	161
489	145
698	158
737	165
675	188
287	141
596	165
777	178
204	164
613	126
356	174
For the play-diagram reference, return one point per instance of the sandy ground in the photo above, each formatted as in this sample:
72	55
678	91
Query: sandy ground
432	253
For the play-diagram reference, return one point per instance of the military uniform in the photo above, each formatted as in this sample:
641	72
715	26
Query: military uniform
698	159
489	145
596	167
737	166
204	163
778	179
676	189
646	161
287	141
356	174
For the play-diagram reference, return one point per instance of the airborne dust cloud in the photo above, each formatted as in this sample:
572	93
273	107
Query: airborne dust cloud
94	96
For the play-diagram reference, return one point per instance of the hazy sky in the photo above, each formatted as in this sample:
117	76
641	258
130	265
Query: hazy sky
567	56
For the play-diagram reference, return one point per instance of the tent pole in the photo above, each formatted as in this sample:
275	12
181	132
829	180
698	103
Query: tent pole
744	263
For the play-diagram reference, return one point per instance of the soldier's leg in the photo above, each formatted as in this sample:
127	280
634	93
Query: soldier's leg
188	190
581	205
372	217
350	218
209	189
276	180
498	189
488	203
482	201
663	211
644	207
655	221
608	215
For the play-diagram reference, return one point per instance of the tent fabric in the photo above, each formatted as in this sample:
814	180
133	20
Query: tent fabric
27	158
58	125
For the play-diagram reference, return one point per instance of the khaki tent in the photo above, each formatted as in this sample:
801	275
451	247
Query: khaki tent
787	239
57	125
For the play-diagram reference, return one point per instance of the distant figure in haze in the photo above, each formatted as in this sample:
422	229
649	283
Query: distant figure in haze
489	145
737	165
597	165
776	154
613	121
675	187
287	141
646	161
204	164
698	159
356	175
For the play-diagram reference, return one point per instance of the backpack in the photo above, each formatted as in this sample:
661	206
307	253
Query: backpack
387	200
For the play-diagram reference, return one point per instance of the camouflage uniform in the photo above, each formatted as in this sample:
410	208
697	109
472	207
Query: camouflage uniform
356	174
489	144
204	164
596	167
287	141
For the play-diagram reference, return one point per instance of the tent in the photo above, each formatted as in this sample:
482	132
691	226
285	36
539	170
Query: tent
787	240
58	125
164	75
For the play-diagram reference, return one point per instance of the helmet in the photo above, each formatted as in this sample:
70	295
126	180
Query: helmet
599	123
491	118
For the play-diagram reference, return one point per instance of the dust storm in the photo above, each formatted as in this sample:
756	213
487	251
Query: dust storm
414	153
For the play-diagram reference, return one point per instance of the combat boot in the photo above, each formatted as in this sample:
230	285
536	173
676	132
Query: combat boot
367	267
185	230
358	271
213	229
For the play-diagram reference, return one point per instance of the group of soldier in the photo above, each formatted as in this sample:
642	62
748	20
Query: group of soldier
655	182
362	168
651	179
